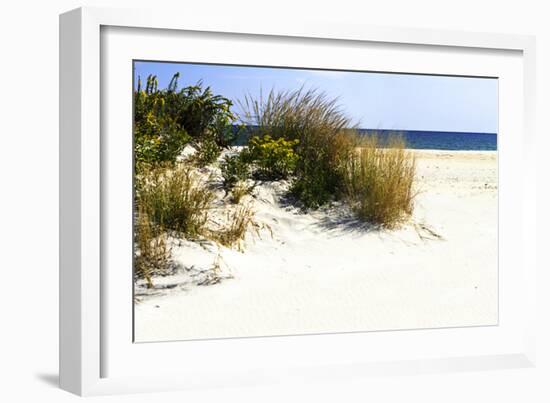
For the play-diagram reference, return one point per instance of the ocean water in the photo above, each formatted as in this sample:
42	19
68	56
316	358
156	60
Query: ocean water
422	140
428	140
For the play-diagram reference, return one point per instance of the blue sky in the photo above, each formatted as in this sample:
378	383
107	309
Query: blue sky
372	100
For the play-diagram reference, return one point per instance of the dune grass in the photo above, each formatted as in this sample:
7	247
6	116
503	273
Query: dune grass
379	181
240	190
334	161
319	128
172	199
301	135
154	255
175	198
233	234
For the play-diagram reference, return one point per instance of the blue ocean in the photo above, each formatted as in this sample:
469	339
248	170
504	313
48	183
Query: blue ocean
423	140
428	140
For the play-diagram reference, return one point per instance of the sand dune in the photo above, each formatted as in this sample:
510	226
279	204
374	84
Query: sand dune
325	272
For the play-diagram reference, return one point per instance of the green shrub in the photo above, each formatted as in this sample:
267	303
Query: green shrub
157	135
325	140
235	168
201	113
166	120
273	159
208	151
162	147
174	198
379	181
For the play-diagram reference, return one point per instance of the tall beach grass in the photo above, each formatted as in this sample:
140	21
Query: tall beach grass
380	181
175	198
319	126
335	162
153	255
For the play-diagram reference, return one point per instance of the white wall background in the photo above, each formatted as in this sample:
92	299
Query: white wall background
29	201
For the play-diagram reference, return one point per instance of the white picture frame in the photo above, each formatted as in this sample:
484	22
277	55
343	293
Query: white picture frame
87	344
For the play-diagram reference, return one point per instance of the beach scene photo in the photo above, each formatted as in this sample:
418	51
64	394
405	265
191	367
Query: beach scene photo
280	201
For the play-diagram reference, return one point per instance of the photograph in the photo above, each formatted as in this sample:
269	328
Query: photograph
283	201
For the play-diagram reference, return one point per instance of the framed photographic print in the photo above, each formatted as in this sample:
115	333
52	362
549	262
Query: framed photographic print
242	203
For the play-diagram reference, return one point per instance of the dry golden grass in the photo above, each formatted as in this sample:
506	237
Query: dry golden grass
240	190
152	255
239	221
175	198
379	181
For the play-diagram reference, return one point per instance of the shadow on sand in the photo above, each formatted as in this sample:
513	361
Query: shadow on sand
336	220
341	222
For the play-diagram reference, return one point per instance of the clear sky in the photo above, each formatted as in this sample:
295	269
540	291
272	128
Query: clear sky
372	100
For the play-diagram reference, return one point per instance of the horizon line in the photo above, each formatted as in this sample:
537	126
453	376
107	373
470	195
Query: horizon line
409	130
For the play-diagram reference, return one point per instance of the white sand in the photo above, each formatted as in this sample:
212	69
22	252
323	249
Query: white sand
322	272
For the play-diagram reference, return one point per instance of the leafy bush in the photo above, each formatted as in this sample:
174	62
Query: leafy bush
174	198
208	151
379	181
157	135
166	120
273	159
165	146
200	112
325	140
234	168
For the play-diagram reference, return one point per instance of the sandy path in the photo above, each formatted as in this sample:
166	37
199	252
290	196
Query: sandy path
313	276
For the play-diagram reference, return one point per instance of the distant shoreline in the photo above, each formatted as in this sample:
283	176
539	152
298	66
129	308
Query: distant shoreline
438	151
370	130
421	131
422	140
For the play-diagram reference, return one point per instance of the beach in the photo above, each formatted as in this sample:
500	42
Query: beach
322	271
